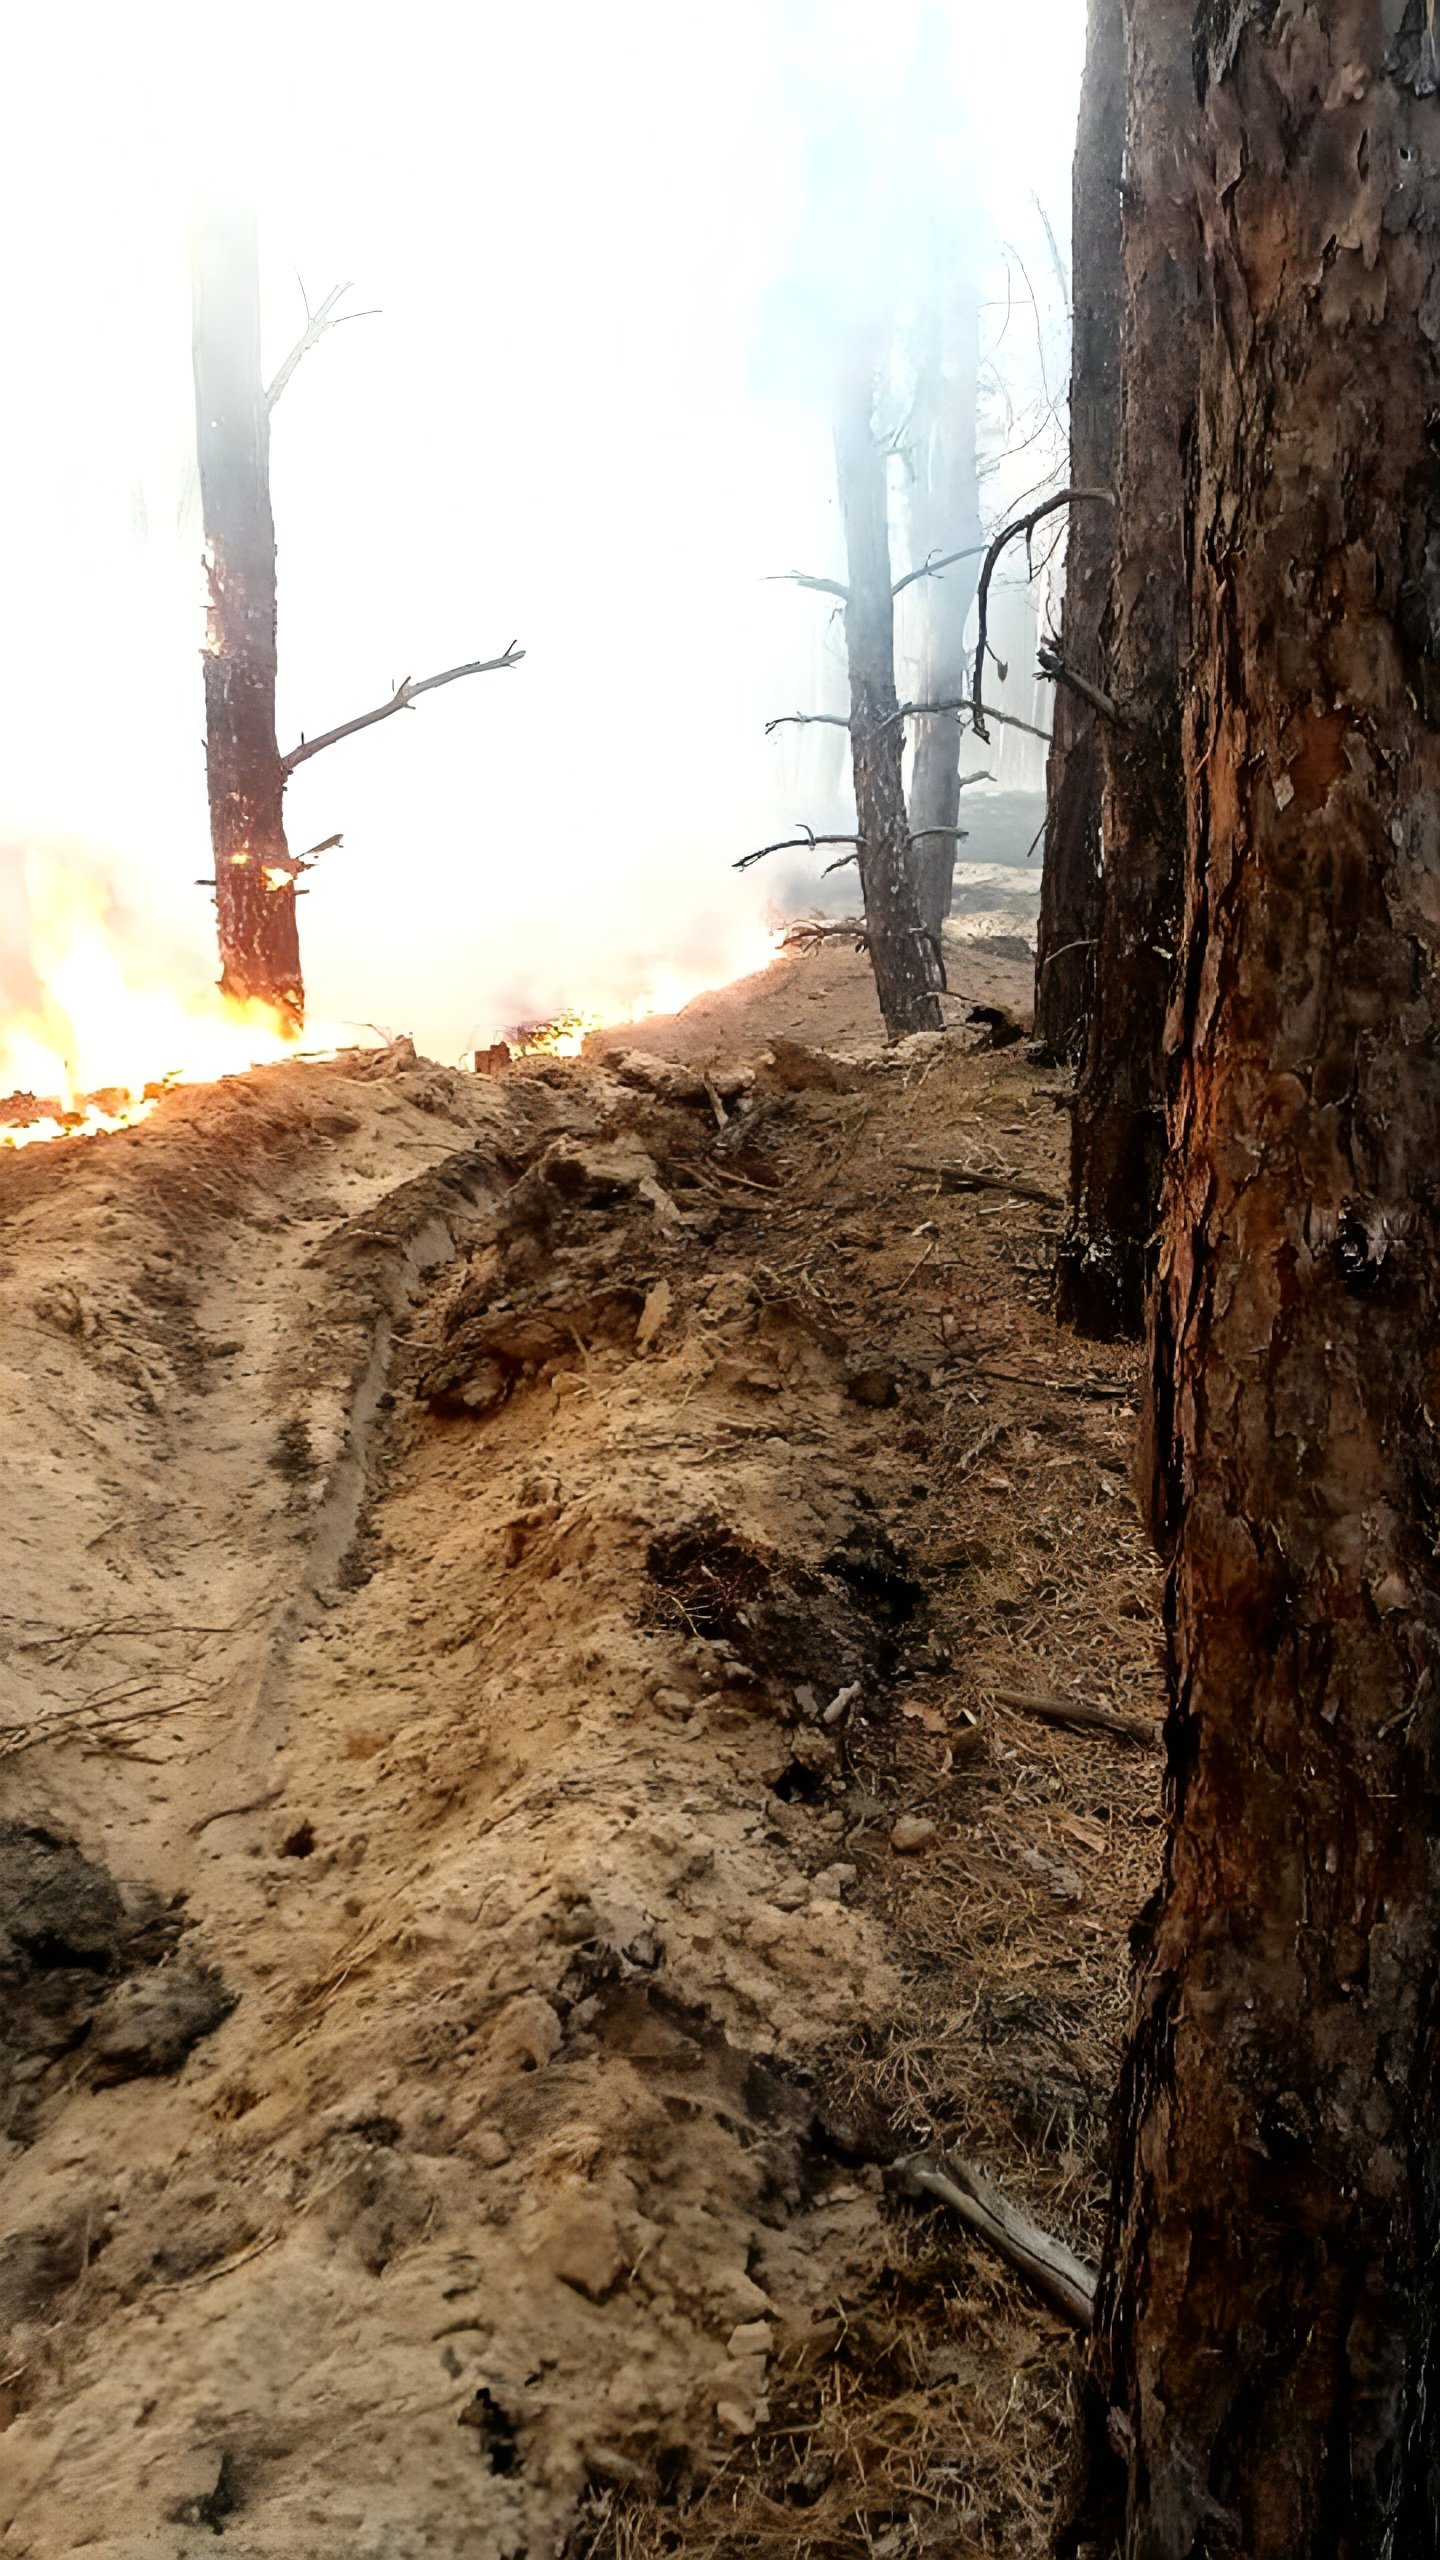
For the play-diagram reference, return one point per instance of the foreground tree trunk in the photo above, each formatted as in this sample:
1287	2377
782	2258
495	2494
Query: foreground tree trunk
1070	881
1265	2365
254	874
905	961
944	513
1118	1141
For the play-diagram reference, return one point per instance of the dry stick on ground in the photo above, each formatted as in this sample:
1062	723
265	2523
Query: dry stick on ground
1085	1718
1011	533
1045	2264
959	1177
401	699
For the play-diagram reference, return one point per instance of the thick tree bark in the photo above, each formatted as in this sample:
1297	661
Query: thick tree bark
905	961
944	514
1118	1146
254	873
1265	2372
1070	881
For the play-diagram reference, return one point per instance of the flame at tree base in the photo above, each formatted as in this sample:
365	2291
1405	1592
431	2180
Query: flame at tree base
102	1042
97	1048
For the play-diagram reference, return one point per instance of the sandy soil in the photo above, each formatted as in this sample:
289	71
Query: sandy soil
514	1823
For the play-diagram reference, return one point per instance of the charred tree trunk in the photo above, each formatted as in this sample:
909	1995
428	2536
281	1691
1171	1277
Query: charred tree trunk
944	516
1265	2369
1118	1147
905	961
254	873
1070	881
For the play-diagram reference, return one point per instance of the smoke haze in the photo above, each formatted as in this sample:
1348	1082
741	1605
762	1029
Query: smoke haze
611	253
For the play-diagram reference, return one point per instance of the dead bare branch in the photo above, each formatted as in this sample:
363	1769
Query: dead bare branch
401	699
317	325
808	720
802	578
807	841
962	711
935	564
1011	533
1046	2264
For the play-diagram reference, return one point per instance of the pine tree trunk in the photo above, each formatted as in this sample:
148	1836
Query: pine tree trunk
944	513
1265	2367
254	874
1070	881
1118	1146
905	962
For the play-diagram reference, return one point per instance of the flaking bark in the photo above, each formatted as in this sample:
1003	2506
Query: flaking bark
1264	2384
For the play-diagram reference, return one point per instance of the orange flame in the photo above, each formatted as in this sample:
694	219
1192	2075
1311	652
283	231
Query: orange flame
101	1043
669	990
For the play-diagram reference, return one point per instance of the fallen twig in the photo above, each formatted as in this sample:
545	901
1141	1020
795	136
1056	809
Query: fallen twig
1046	2264
1078	1712
960	1177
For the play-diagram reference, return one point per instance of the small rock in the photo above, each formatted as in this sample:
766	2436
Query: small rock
150	2023
672	1702
582	2245
792	1895
738	2421
842	1700
913	1831
816	1753
830	1884
490	2147
752	2338
1060	1880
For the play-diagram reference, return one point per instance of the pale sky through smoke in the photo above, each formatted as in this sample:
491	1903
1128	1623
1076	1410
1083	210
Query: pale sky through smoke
567	427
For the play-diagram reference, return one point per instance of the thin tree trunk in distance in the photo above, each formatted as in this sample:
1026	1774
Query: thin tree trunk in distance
944	514
1118	1129
1070	881
254	875
1265	2371
906	966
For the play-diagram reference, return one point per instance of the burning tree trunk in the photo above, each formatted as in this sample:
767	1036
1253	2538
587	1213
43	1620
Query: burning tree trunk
944	515
1070	881
905	960
1118	1143
254	872
1266	2358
